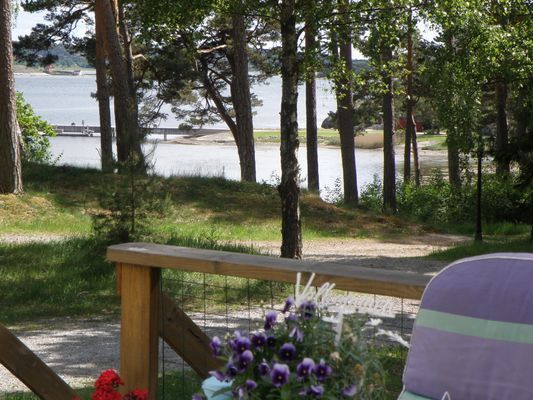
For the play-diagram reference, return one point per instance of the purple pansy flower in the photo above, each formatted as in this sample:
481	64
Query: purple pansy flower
258	340
231	370
349	391
263	368
218	374
271	341
317	390
198	397
308	309
292	317
270	320
250	385
287	352
297	334
304	369
288	304
322	370
279	374
216	346
241	344
244	360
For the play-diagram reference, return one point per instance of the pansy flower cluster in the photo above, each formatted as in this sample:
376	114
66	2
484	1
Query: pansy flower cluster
295	356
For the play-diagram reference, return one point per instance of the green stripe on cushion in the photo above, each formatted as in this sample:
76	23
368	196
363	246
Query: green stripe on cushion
469	326
410	396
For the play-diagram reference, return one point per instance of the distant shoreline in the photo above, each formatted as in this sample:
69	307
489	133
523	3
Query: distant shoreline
30	74
84	72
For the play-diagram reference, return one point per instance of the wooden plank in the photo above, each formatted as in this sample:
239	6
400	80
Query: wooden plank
345	276
187	339
31	370
139	332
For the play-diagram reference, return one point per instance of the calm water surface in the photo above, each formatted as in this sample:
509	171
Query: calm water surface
222	160
62	100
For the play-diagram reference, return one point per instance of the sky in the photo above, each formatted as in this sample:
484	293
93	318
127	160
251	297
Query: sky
24	21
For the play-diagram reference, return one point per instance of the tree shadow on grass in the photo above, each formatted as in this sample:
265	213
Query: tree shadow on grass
57	278
215	200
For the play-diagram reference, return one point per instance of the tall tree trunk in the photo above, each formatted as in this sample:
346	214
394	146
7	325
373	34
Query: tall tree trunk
523	117
502	132
289	190
389	166
125	38
310	100
416	163
241	97
102	94
478	237
10	164
454	166
126	109
409	119
345	110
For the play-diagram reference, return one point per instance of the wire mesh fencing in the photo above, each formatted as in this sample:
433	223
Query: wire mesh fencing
220	305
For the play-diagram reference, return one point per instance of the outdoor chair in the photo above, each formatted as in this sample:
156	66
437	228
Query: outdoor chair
473	335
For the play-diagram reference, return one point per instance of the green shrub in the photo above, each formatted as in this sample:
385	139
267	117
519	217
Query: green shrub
437	202
371	196
130	205
425	203
35	133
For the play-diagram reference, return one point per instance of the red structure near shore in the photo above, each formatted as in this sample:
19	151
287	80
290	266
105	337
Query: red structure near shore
402	122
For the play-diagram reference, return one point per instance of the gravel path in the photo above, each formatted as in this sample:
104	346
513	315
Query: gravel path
16	238
402	254
78	350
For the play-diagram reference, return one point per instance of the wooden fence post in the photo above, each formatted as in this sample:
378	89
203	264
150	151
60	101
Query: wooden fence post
140	327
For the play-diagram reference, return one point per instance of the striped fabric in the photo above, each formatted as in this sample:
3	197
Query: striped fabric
473	335
410	396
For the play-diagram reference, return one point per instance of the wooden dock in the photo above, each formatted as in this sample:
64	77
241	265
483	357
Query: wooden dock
93	130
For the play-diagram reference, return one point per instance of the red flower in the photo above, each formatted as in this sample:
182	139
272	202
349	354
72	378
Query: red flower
108	381
106	389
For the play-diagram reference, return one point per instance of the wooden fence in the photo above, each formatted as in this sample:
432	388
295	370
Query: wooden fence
31	370
138	282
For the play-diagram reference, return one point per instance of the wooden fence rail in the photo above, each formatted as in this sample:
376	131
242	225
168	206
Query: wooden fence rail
138	282
31	370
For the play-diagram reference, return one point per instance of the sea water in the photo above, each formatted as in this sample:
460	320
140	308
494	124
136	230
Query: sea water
62	99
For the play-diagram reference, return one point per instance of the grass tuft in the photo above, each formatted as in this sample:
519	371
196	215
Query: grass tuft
475	249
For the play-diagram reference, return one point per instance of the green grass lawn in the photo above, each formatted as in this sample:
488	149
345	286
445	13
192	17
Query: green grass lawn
60	200
273	136
432	142
370	139
56	279
486	247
